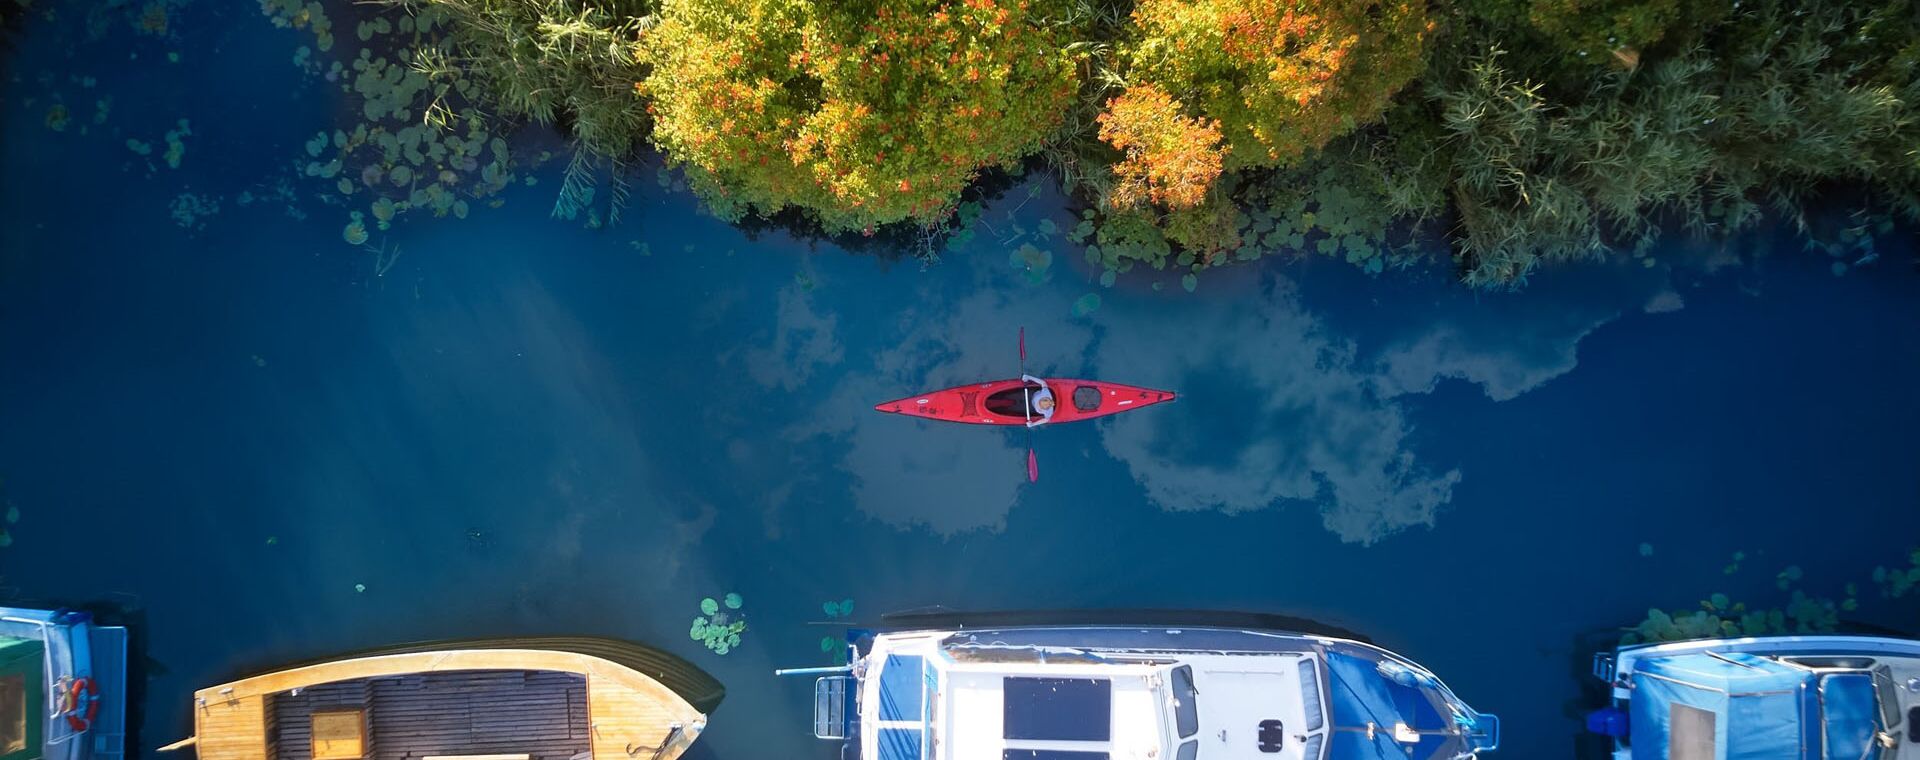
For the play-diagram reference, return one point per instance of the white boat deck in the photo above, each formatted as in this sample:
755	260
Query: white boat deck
988	705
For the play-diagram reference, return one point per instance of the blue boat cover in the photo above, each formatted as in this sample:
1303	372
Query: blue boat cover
1363	695
1848	703
1734	706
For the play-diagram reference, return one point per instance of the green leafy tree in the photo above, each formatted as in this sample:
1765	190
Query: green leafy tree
859	113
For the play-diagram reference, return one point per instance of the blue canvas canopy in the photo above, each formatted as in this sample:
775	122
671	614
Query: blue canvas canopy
1367	692
1734	706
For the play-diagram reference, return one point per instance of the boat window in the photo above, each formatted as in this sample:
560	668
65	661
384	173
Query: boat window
900	692
1185	715
899	743
1690	733
13	713
1058	709
1189	751
1888	695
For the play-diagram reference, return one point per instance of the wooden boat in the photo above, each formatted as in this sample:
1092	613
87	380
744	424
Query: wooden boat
499	699
63	686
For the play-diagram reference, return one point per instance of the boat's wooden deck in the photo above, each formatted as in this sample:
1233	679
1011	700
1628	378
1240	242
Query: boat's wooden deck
541	714
627	713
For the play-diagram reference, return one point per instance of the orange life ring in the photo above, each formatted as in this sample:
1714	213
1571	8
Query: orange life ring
80	716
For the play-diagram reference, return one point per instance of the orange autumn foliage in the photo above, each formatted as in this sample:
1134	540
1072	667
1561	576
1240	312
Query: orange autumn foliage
1170	158
1280	76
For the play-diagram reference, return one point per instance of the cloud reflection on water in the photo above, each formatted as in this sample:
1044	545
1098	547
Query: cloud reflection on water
1279	407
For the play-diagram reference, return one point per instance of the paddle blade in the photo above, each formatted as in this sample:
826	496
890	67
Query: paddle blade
1033	467
1023	344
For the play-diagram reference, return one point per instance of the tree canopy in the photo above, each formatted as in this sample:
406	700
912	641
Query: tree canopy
860	113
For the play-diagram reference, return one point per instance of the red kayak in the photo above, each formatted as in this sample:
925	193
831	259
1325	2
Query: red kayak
1001	402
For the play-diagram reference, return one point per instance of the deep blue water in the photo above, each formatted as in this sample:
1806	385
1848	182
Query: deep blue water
527	426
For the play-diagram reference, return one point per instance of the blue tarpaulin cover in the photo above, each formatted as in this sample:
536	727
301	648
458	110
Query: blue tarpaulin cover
1850	707
1723	707
1361	695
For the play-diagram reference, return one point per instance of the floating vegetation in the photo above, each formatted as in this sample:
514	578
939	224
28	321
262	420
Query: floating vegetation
355	232
1646	549
719	629
101	109
190	210
176	143
57	117
359	588
139	148
839	609
1897	582
1802	613
1033	261
1086	304
418	145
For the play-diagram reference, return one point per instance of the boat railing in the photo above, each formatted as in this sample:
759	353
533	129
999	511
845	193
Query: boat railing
832	699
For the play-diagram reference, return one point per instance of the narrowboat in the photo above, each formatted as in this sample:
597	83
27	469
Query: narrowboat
63	686
1771	697
551	698
1116	692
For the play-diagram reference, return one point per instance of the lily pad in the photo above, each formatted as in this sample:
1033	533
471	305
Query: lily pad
13	514
1086	304
827	643
1189	282
733	601
708	606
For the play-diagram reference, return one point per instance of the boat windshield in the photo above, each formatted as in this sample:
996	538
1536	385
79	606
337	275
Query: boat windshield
1186	715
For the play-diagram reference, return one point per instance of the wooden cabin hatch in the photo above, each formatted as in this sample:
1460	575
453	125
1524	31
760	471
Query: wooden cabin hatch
339	735
542	715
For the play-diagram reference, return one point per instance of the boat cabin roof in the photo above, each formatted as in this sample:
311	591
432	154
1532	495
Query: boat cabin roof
1021	703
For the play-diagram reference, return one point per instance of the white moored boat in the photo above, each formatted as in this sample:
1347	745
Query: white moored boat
1137	693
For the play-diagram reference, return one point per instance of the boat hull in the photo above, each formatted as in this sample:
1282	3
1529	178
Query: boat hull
1077	400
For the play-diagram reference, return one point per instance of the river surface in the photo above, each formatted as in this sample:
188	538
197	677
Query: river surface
265	445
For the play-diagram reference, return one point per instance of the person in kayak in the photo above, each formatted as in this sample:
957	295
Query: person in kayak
1039	401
